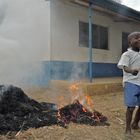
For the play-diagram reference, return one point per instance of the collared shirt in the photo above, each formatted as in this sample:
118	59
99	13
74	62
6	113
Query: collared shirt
130	59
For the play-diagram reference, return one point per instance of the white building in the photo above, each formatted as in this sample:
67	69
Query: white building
69	52
57	31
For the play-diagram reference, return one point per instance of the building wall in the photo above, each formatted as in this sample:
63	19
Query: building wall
65	34
65	48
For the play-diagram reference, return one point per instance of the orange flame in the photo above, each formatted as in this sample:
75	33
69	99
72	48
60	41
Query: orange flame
76	94
84	109
89	100
74	87
74	90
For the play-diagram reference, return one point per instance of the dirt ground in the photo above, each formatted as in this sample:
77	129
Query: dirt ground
111	105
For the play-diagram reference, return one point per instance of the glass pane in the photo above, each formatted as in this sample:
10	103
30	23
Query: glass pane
103	38
95	33
83	34
99	38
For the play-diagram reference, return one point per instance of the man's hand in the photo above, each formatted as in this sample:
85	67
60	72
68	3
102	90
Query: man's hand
134	72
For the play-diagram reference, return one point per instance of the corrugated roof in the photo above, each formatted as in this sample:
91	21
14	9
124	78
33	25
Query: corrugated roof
117	8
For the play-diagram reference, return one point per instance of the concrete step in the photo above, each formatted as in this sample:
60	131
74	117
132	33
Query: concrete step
103	86
97	87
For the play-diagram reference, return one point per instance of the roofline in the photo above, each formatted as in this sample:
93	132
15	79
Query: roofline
117	8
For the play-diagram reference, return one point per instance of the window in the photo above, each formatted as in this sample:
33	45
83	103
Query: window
100	36
124	42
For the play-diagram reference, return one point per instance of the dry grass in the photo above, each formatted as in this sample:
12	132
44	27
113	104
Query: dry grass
111	105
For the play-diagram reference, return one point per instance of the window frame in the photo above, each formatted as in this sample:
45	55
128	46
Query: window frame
98	37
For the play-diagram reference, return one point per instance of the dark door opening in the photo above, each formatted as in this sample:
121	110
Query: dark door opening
124	42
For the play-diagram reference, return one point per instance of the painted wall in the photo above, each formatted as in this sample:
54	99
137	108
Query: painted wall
68	60
65	19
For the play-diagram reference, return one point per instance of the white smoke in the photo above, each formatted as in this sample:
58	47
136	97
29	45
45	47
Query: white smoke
78	72
22	39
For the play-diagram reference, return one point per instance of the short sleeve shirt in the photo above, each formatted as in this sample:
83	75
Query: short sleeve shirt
130	59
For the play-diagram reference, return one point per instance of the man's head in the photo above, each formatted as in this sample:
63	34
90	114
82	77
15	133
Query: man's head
134	40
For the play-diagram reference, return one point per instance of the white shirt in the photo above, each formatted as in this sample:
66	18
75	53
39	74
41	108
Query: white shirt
130	59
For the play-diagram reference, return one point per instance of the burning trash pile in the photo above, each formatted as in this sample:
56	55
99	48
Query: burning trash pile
19	112
77	113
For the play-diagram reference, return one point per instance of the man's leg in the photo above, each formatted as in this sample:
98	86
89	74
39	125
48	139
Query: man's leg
129	114
131	100
136	119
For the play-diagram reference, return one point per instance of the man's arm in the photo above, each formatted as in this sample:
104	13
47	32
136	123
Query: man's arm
129	70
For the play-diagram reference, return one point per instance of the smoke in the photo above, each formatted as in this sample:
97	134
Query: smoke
79	71
3	8
23	36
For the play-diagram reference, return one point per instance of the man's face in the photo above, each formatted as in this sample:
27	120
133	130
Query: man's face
135	41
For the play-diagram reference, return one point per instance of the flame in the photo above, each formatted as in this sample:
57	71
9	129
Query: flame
74	87
84	109
74	90
89	100
77	94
